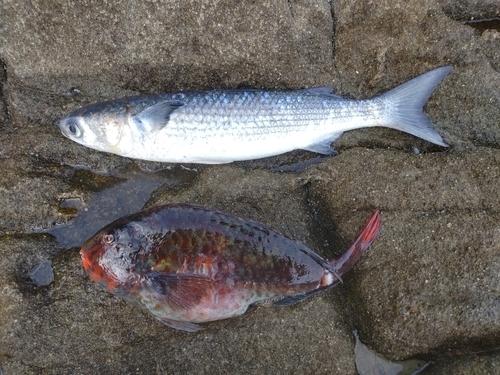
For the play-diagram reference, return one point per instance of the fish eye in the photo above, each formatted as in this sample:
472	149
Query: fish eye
73	129
108	238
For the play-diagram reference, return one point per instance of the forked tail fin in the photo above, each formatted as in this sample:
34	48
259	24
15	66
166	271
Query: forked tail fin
359	247
404	105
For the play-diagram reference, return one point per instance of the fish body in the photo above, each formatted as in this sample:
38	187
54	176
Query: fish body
222	126
186	265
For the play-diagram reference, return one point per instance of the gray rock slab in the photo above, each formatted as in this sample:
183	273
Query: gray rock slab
381	44
49	49
30	193
479	364
399	181
430	283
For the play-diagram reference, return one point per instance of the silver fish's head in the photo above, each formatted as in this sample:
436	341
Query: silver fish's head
102	126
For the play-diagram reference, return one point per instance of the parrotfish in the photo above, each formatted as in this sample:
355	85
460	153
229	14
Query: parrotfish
221	126
186	265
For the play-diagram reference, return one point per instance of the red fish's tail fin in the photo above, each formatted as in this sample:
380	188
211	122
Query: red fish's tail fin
366	236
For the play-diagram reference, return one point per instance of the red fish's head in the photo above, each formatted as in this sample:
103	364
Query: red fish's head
110	258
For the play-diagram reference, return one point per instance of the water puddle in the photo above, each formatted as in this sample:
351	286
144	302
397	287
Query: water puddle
111	197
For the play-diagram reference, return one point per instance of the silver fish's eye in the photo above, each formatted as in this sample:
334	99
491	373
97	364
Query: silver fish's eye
73	129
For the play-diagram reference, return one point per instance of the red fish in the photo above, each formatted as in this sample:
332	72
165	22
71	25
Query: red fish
186	264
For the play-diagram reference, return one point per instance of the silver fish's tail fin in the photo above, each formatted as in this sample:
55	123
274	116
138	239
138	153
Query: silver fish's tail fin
366	236
405	103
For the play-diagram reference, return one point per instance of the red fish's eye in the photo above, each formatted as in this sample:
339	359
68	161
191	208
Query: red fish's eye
108	238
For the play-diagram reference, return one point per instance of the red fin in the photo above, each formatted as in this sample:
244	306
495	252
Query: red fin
180	291
359	247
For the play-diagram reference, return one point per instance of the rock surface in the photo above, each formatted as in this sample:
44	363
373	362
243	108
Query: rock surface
429	285
428	288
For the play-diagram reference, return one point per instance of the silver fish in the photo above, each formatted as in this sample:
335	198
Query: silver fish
222	126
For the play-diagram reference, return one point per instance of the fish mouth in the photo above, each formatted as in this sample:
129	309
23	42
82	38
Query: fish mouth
90	252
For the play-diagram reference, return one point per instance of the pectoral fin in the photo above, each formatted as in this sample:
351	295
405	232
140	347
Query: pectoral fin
157	116
180	291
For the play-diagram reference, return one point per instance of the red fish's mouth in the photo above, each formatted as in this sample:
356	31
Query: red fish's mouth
96	261
91	252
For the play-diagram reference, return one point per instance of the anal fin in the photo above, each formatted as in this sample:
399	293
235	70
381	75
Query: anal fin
323	147
292	300
180	325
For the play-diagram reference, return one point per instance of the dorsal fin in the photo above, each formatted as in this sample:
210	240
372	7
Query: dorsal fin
323	90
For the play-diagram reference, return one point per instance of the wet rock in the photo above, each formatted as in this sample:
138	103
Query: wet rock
478	364
429	284
467	10
42	274
112	197
29	196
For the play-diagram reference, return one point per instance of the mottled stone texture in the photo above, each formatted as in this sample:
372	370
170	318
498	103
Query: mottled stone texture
381	43
429	286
